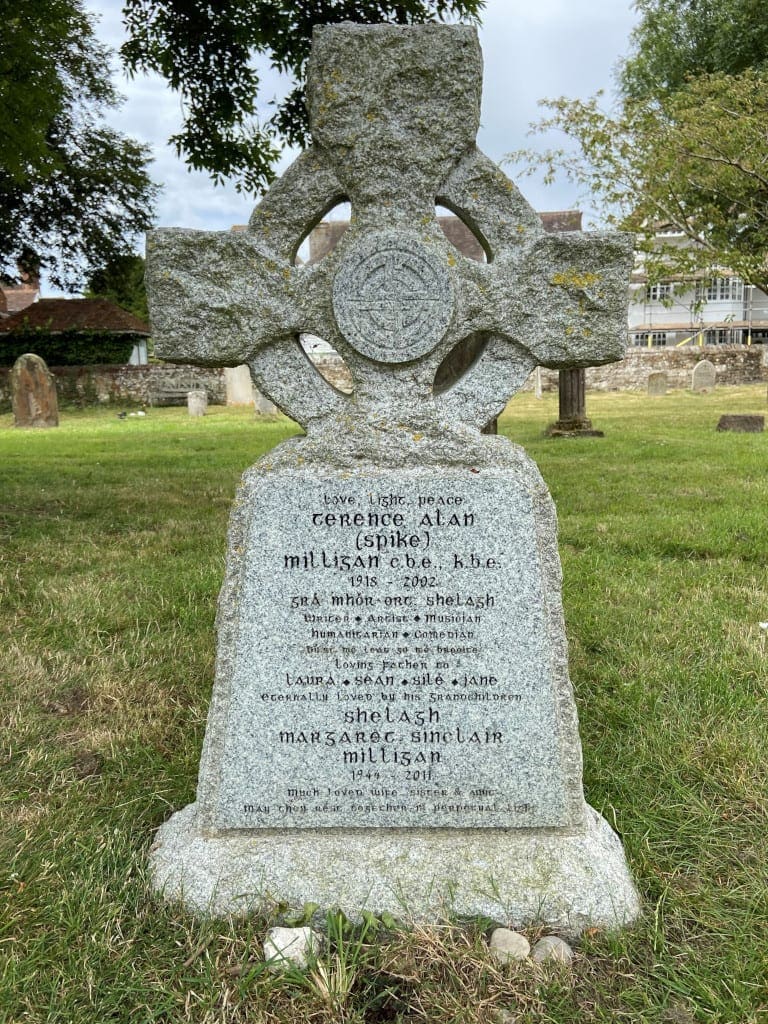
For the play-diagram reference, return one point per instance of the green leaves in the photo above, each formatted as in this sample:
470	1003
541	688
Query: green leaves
686	150
73	193
207	51
678	39
121	281
694	161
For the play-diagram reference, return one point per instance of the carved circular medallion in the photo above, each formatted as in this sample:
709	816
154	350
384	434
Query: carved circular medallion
392	298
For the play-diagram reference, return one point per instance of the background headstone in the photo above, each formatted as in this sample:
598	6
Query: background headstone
239	386
657	384
197	403
33	393
742	423
392	724
704	376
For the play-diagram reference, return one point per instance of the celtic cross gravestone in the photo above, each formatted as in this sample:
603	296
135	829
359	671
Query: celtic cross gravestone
392	724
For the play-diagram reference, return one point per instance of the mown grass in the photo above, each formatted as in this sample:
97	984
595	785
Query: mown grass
113	540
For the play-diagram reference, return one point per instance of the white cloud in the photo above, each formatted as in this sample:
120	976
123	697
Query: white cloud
531	50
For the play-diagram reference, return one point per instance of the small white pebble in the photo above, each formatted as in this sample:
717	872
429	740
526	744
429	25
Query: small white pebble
552	948
290	947
507	945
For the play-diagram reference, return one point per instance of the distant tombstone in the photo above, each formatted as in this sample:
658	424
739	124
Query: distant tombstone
392	725
238	385
33	393
657	384
262	404
704	375
197	403
742	423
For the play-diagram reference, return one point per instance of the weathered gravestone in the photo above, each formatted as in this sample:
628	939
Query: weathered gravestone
33	393
744	423
657	384
197	403
392	724
703	376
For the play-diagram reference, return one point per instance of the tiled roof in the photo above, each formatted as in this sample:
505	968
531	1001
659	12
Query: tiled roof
57	315
561	220
325	236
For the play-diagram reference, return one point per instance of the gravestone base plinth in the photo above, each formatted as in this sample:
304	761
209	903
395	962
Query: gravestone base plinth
567	881
574	427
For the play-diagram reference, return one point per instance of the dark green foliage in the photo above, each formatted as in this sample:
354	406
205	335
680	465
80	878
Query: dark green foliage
686	149
680	39
205	51
73	192
122	282
68	348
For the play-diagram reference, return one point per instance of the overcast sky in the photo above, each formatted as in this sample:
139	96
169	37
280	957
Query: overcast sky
532	49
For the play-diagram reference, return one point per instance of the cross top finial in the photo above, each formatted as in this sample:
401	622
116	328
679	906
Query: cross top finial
393	113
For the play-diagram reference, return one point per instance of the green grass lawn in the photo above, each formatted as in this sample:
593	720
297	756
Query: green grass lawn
113	541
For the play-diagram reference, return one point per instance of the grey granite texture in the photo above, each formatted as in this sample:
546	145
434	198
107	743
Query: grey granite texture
393	112
564	880
306	694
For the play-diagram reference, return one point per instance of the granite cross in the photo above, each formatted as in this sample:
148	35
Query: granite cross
392	723
393	128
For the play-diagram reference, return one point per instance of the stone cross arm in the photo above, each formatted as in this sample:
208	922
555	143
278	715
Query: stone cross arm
562	298
216	296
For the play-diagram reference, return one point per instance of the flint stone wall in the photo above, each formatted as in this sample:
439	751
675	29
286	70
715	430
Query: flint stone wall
101	385
735	364
105	385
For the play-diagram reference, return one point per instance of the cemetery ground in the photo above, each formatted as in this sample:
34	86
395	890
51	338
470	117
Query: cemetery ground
113	540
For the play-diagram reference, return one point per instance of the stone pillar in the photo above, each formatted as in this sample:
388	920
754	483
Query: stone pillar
197	403
572	406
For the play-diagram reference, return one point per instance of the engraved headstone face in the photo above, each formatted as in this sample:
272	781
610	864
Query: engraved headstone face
657	384
392	722
704	376
33	393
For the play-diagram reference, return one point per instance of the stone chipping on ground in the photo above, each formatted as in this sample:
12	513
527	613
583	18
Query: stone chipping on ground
552	948
291	947
507	945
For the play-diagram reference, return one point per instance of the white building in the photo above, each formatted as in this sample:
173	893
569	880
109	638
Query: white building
721	310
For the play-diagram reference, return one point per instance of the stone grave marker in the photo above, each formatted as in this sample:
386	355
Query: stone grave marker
197	403
33	393
742	423
657	384
392	725
703	377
